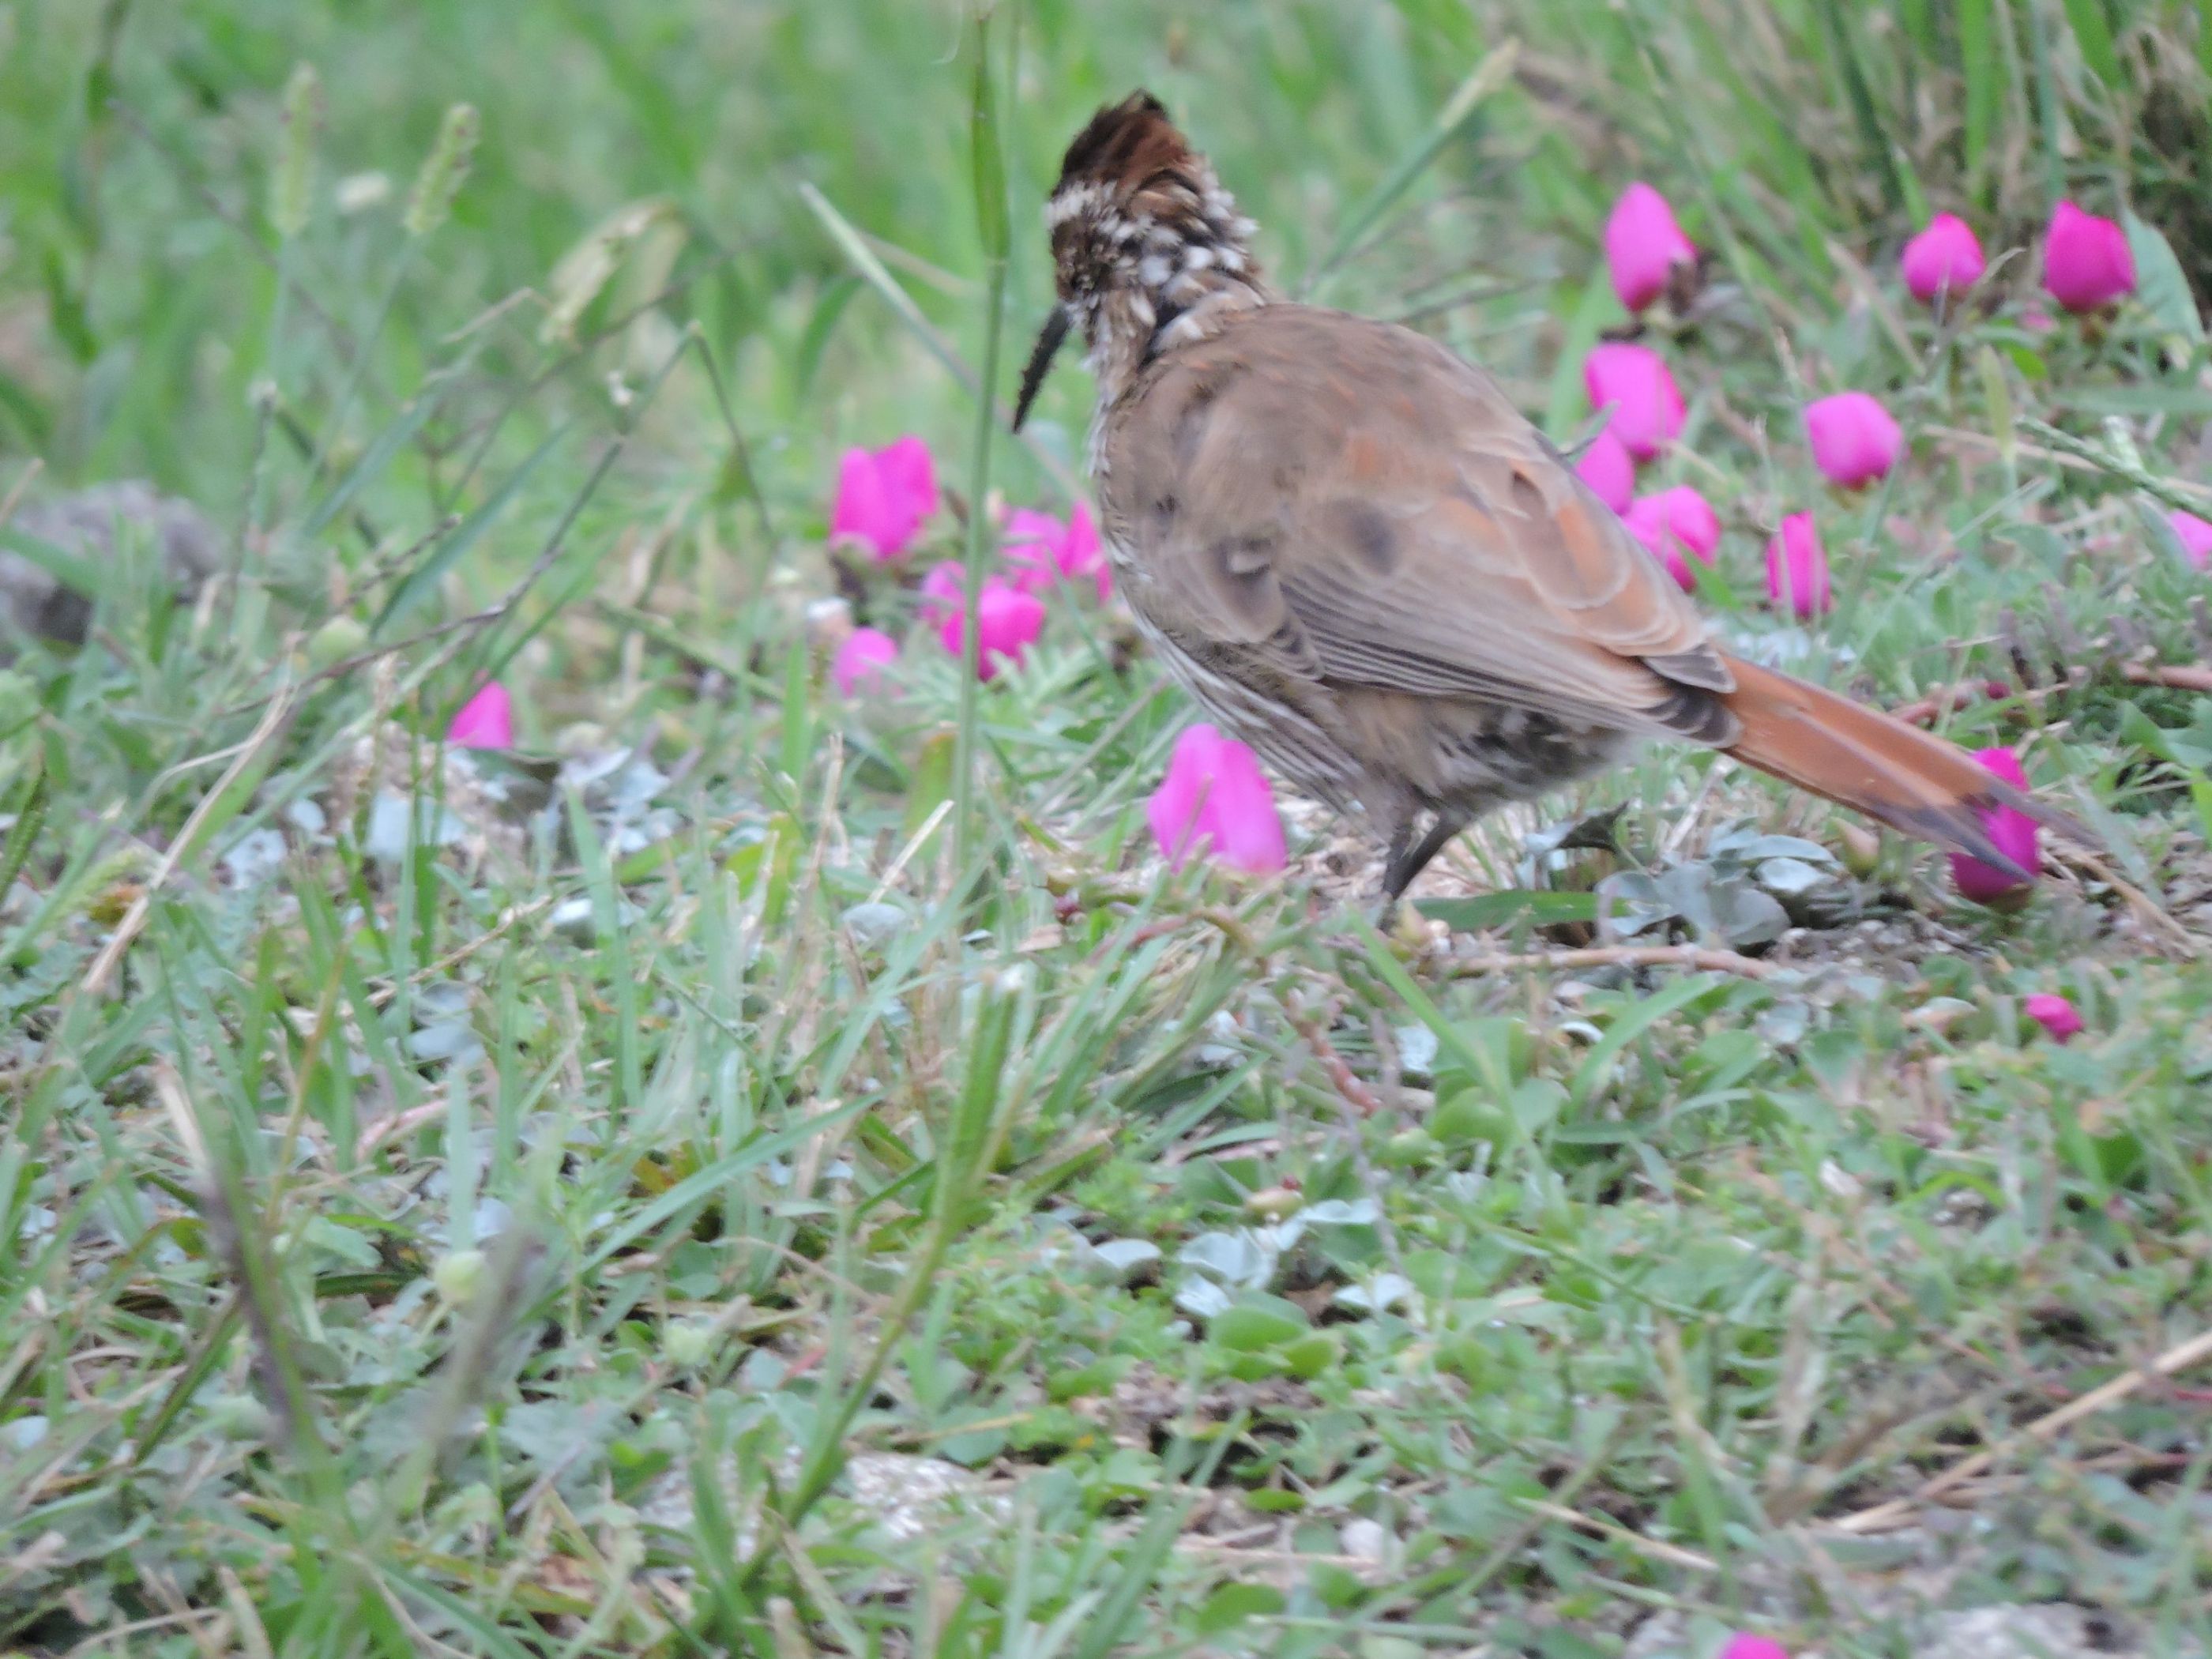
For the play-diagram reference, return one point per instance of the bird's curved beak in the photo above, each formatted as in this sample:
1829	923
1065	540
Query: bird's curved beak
1056	324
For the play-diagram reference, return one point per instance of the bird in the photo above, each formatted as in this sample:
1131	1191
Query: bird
1358	558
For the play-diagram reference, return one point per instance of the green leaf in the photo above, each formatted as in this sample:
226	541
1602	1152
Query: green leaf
2186	400
702	1185
80	576
2160	283
1490	910
2093	33
1312	1354
1257	1322
1981	64
931	784
421	581
1597	1065
378	456
1233	1604
988	159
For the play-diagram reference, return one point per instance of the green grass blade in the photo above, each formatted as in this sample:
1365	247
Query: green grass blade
420	583
1494	71
871	270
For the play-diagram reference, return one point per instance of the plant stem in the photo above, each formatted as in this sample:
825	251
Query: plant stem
991	214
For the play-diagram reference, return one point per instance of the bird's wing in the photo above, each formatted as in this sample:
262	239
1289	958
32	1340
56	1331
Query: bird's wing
1359	507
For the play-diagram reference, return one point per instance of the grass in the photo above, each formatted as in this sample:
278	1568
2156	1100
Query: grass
576	1202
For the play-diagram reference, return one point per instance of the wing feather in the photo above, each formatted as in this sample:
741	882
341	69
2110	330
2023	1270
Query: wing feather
1361	508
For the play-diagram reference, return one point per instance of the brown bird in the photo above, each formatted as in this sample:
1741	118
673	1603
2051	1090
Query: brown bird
1361	559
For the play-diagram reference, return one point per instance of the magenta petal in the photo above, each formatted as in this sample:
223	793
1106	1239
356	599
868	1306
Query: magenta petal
1635	381
2055	1014
1086	554
1082	554
884	495
2086	262
1034	541
1797	567
1240	812
861	661
1745	1645
2196	536
1854	438
1216	798
1174	809
944	592
1006	621
2013	832
486	721
1609	469
861	512
1675	526
1946	255
911	473
1643	245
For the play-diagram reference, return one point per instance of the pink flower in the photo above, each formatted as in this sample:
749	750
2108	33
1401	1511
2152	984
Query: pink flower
1647	410
2086	262
1606	467
2012	830
1946	255
2054	1014
1643	244
1797	567
884	495
1854	440
1044	549
485	720
861	659
1215	797
1744	1646
1673	523
2196	537
1007	620
944	592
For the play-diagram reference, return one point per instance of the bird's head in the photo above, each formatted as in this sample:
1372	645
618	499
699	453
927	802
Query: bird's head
1141	230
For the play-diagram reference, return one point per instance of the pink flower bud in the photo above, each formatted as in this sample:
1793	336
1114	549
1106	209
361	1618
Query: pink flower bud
1946	255
1044	550
1643	245
1744	1646
486	721
2057	1016
1854	440
2086	262
944	593
861	659
1797	567
1006	621
1607	468
2012	830
884	495
1647	410
2196	536
1677	525
1216	800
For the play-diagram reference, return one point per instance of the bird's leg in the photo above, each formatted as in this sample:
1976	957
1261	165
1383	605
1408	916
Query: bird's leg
1405	863
1397	841
1394	851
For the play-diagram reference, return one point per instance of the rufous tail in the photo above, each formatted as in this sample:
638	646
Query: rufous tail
1874	764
